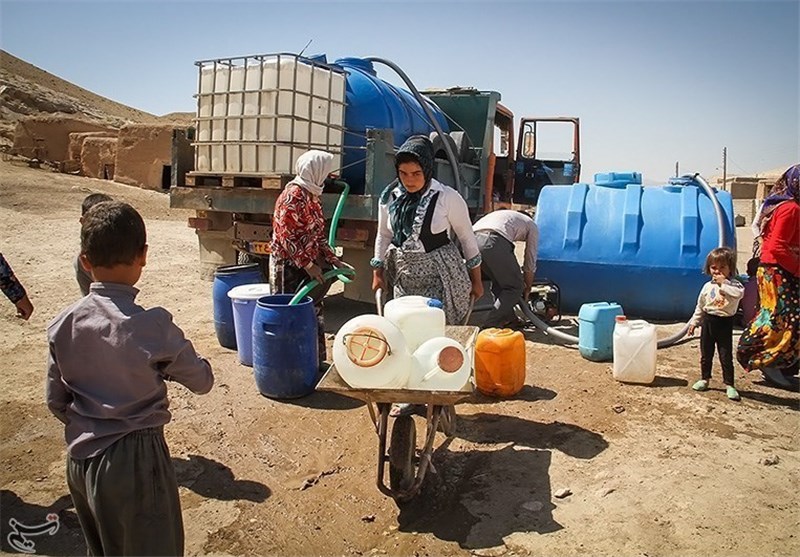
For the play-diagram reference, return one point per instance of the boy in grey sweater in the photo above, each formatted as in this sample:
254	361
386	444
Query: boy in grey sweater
108	363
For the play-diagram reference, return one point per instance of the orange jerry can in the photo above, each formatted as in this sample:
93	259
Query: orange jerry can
500	362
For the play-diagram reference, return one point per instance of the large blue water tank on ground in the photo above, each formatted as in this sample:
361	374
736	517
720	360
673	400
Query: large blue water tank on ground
374	103
642	247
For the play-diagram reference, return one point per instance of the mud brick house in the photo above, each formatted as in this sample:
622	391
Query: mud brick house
46	138
98	157
144	155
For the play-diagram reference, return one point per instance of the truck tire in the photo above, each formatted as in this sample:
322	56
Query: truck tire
439	151
465	151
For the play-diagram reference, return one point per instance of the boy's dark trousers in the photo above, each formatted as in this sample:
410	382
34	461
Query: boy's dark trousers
717	331
126	497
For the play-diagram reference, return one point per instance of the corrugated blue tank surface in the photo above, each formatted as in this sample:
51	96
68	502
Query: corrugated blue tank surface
374	103
640	246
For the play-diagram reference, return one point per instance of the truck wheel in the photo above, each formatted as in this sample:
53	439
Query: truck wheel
439	151
401	455
464	148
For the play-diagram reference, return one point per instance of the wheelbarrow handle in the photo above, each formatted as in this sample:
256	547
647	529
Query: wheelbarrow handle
469	311
379	301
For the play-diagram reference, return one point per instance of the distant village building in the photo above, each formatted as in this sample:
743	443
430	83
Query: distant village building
144	155
98	157
46	138
76	140
748	192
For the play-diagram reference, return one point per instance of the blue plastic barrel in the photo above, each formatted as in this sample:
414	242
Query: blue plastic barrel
243	302
596	330
285	350
225	278
374	103
643	247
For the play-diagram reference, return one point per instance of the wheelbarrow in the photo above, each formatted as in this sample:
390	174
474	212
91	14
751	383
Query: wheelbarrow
406	470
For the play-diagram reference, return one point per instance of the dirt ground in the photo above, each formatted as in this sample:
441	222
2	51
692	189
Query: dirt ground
652	470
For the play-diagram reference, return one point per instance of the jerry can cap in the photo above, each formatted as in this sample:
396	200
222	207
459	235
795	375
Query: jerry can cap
450	359
366	347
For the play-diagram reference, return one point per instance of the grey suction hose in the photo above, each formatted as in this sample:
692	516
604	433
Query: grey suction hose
424	103
720	214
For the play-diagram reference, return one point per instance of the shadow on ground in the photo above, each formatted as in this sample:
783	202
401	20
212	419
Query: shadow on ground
481	496
214	480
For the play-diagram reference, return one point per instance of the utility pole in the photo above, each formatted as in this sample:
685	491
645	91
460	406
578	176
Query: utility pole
725	168
676	169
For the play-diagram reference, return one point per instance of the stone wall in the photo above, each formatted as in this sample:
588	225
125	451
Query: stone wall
143	152
47	137
98	157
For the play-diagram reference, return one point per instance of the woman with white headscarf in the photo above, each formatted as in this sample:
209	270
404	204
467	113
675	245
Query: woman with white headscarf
300	248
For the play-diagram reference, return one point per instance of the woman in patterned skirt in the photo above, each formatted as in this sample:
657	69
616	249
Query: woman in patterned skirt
300	249
771	341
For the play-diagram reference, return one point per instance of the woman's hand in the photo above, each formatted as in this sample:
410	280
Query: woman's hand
377	280
315	272
24	308
690	331
477	290
477	284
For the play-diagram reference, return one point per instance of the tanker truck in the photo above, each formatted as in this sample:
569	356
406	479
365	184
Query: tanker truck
257	114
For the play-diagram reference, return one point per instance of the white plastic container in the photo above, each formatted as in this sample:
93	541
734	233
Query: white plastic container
417	318
442	365
634	351
370	353
267	111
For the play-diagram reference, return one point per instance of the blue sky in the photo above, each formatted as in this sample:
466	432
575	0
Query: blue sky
653	82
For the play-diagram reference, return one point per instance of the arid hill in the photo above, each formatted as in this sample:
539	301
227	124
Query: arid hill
26	90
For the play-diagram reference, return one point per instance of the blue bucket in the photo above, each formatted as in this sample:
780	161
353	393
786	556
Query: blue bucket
243	301
285	350
596	330
225	278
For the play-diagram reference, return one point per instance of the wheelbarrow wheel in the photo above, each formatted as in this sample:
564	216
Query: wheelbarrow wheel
401	455
447	421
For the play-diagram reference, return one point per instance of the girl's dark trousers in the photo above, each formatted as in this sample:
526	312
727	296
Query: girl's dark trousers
717	331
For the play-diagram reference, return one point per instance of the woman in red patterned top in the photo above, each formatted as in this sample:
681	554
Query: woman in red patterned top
771	342
300	249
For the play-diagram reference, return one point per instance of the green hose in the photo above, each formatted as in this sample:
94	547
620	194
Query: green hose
333	273
335	220
337	212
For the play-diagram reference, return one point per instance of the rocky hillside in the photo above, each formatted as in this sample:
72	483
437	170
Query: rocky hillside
26	90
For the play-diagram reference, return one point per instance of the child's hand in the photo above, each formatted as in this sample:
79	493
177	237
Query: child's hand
718	278
690	331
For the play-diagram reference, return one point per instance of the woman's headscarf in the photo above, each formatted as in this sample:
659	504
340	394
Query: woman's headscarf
312	168
403	207
787	188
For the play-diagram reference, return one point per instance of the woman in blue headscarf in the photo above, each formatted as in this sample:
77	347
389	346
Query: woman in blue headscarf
417	219
771	342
